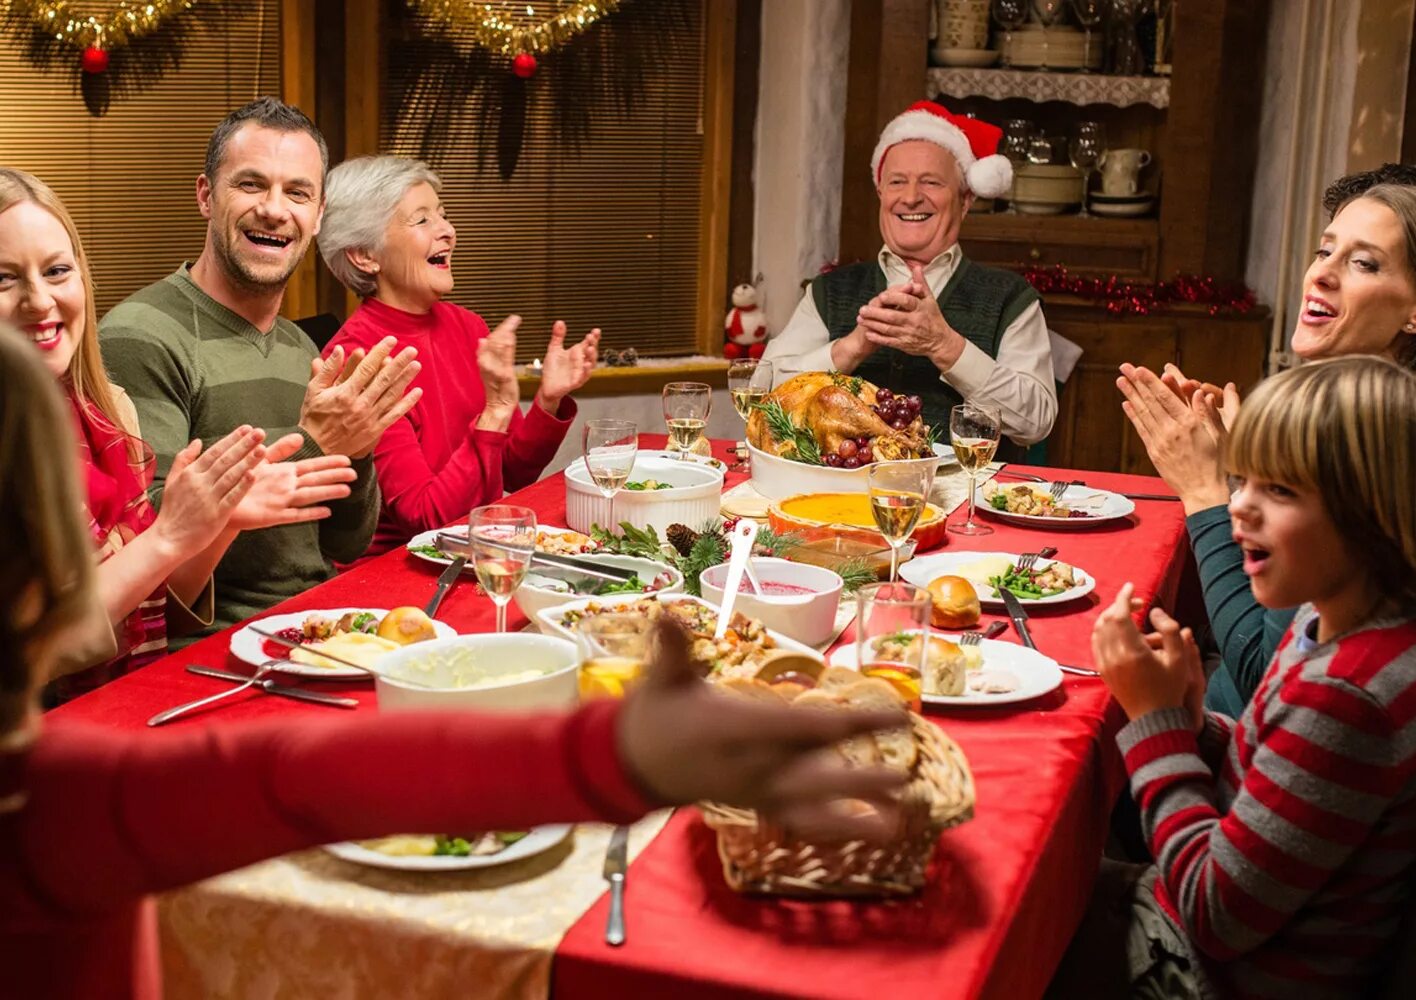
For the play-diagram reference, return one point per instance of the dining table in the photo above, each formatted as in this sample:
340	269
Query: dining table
1004	893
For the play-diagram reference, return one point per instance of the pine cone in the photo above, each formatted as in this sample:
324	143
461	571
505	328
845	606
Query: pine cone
681	537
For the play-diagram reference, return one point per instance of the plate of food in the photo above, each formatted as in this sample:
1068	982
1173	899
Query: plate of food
549	539
547	586
747	645
358	634
1033	505
444	852
989	673
1050	581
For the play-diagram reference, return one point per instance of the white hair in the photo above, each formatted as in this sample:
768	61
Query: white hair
361	196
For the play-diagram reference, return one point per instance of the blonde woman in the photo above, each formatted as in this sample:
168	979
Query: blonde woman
94	818
145	556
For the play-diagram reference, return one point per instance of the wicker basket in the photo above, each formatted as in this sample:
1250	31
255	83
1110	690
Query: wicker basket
759	857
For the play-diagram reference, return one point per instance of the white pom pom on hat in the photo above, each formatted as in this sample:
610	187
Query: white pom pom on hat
972	142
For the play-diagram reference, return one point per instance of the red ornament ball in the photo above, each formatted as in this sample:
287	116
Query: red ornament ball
94	60
524	65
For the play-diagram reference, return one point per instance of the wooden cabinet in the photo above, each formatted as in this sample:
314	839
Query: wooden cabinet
1082	245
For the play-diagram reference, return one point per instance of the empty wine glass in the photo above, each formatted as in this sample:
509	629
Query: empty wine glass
1017	133
749	382
686	409
610	447
1085	150
974	430
1089	14
1047	12
501	539
1010	15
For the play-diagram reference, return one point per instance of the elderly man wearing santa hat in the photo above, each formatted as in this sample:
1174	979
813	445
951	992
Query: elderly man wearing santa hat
922	319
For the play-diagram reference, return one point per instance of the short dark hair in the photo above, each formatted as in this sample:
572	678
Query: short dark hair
1344	189
264	112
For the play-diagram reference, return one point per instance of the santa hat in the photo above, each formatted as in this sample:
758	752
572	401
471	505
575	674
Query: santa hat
974	144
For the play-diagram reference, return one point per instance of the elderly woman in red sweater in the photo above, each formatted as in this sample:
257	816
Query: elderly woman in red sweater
386	236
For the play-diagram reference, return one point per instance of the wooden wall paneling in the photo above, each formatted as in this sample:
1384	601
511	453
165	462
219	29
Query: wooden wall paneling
329	113
889	39
297	79
364	62
715	188
746	71
1219	350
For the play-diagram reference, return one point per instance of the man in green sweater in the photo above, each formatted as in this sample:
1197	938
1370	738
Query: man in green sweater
205	350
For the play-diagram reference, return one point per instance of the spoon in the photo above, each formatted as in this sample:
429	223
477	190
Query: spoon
743	535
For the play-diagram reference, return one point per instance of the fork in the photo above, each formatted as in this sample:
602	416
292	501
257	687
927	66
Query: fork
1057	489
1026	562
971	639
266	669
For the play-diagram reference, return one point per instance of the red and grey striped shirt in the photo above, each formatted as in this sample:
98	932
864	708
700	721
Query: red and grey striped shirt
1285	840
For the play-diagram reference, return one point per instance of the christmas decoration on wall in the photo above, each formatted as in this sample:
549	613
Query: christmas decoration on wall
110	49
486	62
1127	297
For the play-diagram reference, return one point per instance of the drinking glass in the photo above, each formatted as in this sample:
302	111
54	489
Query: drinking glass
887	609
898	493
613	649
749	382
1017	132
973	431
686	409
1085	150
1047	11
609	447
1010	15
1089	14
501	539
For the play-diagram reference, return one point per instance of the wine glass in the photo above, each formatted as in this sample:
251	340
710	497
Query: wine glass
613	649
686	409
610	447
973	431
1085	150
749	382
501	539
1047	11
1010	15
898	493
883	612
1089	14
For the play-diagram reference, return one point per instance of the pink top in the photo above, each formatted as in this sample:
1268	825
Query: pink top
433	465
93	819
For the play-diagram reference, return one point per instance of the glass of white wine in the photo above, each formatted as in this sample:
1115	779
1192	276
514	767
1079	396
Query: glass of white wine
501	539
686	409
898	493
613	649
609	447
973	431
749	382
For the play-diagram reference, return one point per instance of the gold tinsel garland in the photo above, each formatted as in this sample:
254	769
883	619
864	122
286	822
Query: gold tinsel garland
128	21
511	28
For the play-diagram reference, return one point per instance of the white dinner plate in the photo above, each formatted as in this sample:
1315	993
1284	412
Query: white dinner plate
541	838
460	531
1036	674
249	647
1103	506
921	569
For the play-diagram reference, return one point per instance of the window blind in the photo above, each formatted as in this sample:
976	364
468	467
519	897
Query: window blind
129	177
607	236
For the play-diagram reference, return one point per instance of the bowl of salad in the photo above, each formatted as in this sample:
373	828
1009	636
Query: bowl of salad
548	586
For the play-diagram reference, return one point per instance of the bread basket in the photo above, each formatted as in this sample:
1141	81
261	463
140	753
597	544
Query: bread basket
758	856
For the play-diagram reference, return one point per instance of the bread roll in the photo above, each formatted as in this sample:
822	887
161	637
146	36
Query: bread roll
896	746
406	625
955	602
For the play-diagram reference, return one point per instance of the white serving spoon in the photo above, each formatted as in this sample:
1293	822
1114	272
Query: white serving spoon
744	535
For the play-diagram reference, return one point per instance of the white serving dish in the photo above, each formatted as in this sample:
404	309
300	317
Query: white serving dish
807	618
1122	209
248	647
919	571
778	478
693	500
538	839
434	663
531	599
1036	674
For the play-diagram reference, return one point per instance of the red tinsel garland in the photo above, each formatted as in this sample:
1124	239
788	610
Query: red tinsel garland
1125	297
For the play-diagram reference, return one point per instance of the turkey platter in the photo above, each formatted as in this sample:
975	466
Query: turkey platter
840	421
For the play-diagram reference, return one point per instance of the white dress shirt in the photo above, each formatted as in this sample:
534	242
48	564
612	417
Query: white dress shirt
1019	381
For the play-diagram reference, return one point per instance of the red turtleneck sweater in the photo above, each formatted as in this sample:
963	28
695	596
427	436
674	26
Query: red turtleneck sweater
433	465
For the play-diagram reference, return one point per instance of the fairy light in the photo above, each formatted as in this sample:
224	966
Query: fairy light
127	21
510	28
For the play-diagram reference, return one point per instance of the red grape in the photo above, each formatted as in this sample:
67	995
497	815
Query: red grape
915	403
847	448
865	456
863	442
851	463
884	395
833	460
899	423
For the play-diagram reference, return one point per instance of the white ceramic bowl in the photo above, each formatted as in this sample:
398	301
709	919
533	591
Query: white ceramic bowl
778	478
807	618
438	661
531	599
692	500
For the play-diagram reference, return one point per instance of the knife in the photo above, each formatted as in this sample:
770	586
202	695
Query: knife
271	687
445	582
616	864
1020	622
1128	496
539	558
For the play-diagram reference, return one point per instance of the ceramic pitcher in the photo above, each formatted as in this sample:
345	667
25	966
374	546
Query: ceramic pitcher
1120	170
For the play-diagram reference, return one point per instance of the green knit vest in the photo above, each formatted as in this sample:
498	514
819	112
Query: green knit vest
979	302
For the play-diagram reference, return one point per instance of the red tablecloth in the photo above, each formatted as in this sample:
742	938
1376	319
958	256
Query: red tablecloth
1010	884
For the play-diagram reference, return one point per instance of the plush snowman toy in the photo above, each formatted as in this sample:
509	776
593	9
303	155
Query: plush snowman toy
746	327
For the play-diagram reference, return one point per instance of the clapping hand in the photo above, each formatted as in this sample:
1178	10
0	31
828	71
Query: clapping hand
1185	440
203	489
1225	400
496	360
907	318
565	369
292	492
1148	673
347	407
686	743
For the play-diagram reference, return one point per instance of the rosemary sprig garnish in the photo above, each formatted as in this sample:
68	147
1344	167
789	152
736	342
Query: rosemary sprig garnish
801	441
851	383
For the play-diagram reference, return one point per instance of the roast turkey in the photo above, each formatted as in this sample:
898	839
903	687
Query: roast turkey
834	407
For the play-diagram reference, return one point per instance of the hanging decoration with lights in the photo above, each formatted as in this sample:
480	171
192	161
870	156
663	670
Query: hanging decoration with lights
126	47
454	59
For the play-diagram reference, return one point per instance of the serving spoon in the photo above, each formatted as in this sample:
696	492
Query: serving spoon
742	537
